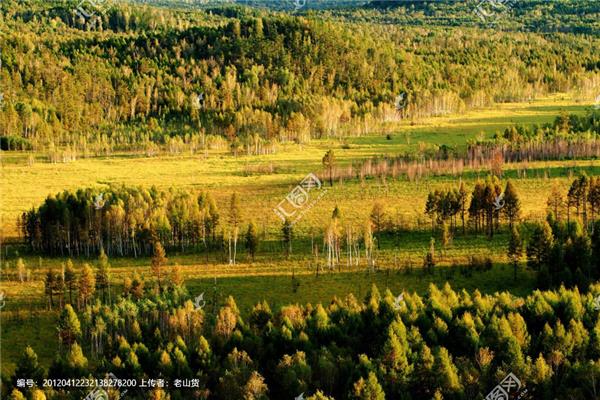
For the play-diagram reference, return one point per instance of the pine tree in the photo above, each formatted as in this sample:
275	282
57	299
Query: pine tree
329	164
512	204
539	246
368	389
252	239
515	249
49	287
462	199
446	236
446	372
69	328
556	202
70	279
87	284
17	395
103	275
75	358
28	366
377	216
176	275
159	260
429	261
287	233
431	208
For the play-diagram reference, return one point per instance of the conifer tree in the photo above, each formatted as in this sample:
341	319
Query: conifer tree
69	327
287	233
159	260
103	276
368	389
70	279
515	249
252	239
87	284
512	204
329	164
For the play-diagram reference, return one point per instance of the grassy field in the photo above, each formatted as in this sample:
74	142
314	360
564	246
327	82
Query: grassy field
269	276
23	186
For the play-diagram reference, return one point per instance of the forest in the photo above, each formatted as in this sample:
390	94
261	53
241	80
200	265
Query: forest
445	247
245	79
445	344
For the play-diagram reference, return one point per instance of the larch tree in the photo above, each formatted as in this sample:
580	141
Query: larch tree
287	232
368	389
512	204
159	260
69	327
377	218
87	285
103	276
252	240
70	279
329	164
515	249
556	202
539	246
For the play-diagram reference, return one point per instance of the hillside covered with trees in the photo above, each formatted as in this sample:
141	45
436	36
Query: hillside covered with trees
136	77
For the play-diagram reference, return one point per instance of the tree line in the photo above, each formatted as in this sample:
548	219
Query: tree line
488	204
124	221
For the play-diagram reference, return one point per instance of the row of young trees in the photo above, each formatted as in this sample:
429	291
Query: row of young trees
443	345
567	137
488	203
124	220
581	203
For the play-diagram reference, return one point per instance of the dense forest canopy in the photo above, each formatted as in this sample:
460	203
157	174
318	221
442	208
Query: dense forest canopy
444	345
139	74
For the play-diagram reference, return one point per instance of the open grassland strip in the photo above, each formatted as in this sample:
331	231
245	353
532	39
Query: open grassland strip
24	186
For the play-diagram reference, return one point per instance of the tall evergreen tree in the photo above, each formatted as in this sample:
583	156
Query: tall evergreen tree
252	239
159	260
512	204
515	249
